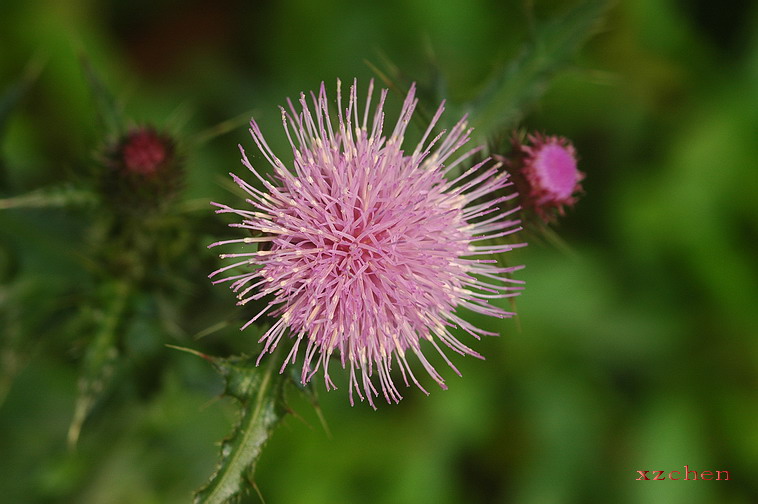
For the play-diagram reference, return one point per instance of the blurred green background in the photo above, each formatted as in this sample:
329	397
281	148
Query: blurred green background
637	349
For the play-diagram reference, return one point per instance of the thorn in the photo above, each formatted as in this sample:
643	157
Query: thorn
191	351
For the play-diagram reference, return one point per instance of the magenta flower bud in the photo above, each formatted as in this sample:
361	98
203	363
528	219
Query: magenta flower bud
144	151
372	251
545	172
144	171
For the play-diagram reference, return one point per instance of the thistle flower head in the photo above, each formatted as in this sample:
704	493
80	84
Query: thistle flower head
545	169
143	170
370	250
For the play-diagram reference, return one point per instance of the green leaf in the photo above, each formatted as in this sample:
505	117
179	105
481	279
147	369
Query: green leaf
261	394
65	195
521	82
101	356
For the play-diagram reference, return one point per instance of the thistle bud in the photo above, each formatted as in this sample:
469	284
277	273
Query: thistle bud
143	170
544	169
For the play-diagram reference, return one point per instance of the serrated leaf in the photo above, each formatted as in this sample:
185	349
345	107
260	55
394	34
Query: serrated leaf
260	392
100	357
65	195
522	81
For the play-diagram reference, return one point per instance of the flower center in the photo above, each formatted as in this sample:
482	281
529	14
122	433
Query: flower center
143	153
556	168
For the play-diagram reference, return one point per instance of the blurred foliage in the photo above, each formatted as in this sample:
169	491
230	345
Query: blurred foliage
635	350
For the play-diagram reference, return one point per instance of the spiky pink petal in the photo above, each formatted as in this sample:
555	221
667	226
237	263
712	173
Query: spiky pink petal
371	249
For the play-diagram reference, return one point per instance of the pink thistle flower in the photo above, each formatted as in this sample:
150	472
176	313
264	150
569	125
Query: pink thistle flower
546	174
370	250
